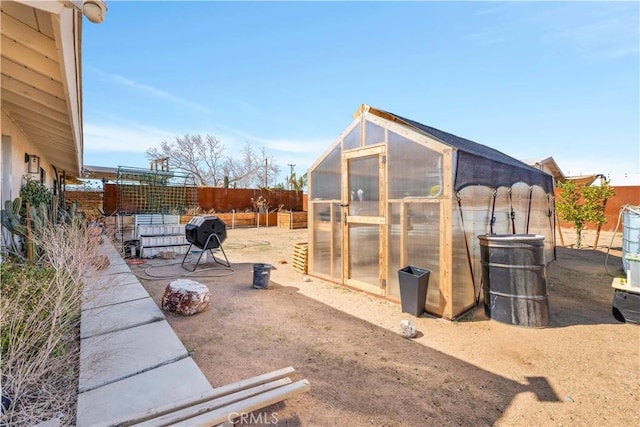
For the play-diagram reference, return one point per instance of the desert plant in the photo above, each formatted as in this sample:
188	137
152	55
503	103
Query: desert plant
39	328
582	205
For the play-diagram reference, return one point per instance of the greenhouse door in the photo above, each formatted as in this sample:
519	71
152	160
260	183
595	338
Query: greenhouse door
363	204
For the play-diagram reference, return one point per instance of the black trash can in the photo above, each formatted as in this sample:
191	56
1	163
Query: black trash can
261	275
514	279
414	282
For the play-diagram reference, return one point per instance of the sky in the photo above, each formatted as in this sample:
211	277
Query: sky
531	79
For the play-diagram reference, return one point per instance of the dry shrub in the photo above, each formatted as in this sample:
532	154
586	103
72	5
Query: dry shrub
40	328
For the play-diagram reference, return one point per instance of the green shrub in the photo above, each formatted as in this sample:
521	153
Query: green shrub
35	193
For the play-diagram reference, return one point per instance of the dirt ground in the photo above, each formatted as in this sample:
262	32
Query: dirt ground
584	369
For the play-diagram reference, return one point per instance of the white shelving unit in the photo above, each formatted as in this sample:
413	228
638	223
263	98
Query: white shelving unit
160	233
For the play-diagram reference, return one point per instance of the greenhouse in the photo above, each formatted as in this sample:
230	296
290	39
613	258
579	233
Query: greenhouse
391	192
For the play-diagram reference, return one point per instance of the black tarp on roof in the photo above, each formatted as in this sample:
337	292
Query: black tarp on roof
482	165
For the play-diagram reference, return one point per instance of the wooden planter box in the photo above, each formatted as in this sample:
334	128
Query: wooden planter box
292	220
242	219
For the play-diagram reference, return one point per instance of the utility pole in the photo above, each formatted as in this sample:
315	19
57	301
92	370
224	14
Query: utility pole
266	174
291	174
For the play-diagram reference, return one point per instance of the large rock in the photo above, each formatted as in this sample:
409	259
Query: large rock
185	297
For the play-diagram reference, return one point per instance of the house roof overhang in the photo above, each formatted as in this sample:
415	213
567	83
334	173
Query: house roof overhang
40	64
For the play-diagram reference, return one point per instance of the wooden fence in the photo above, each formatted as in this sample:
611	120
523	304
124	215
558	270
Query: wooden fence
628	195
135	199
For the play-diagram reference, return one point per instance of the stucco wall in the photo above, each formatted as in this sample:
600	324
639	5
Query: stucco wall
20	146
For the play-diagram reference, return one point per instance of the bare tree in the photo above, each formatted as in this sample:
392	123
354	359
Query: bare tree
254	168
207	160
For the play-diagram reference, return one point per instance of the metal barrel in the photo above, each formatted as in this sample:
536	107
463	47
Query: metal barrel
630	233
514	279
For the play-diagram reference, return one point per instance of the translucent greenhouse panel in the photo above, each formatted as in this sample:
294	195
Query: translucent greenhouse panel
423	246
476	204
336	230
414	170
326	178
422	242
464	291
502	212
352	140
373	134
364	186
322	239
394	251
540	222
364	253
520	204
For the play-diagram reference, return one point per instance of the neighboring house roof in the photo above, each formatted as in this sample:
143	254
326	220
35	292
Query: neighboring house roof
549	165
42	79
477	163
100	172
584	180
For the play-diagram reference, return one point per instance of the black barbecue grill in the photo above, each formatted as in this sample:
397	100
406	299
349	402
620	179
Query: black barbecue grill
206	233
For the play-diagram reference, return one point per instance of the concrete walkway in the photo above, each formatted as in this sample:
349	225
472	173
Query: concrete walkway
131	361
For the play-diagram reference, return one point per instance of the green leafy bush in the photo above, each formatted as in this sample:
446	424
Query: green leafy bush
35	193
582	205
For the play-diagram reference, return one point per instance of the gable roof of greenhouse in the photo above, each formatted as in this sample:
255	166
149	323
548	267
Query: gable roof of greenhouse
477	163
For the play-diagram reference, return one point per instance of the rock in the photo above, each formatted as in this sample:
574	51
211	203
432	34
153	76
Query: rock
408	329
185	297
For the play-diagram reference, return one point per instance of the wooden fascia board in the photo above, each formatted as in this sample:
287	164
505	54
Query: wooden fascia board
66	27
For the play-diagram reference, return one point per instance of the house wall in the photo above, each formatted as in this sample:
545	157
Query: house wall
20	146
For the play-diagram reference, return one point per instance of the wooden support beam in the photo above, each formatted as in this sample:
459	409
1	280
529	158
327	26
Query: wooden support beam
446	236
384	227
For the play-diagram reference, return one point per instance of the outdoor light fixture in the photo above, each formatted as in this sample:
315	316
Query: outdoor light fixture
94	10
33	161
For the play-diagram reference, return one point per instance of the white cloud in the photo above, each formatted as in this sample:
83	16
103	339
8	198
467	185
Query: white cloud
600	31
302	145
126	138
150	90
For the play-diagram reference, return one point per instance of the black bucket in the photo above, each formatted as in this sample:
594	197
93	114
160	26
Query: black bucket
261	275
514	279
